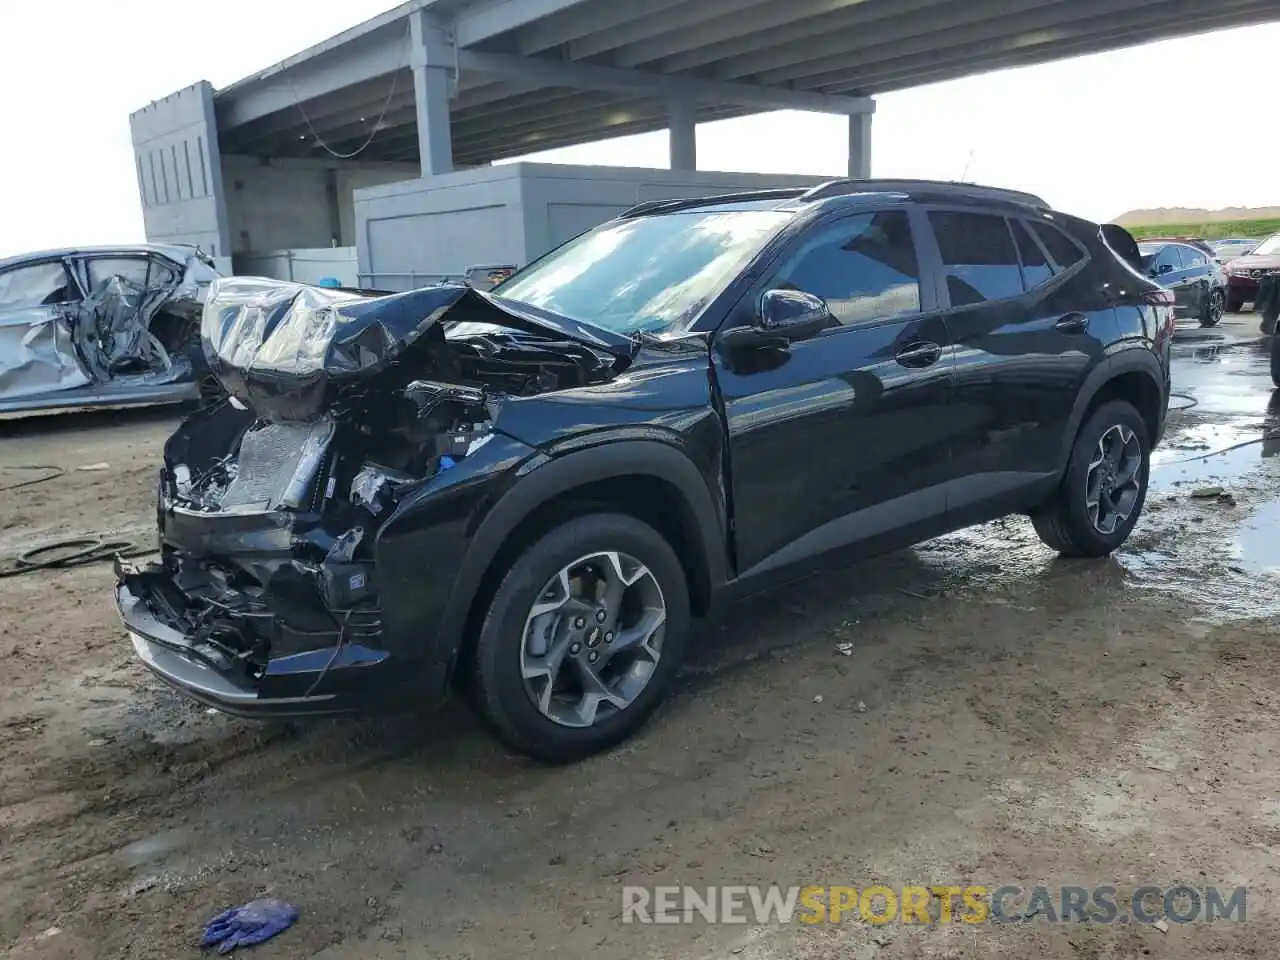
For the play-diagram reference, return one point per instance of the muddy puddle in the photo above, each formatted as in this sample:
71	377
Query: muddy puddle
1211	530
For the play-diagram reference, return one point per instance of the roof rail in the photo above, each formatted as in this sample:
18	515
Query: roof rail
844	187
652	206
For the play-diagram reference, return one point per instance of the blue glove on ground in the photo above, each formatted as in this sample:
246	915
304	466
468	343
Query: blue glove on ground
244	926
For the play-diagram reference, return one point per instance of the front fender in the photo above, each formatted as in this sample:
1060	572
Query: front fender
461	529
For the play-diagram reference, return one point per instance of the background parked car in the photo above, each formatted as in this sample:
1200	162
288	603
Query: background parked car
1228	249
117	326
1243	273
1198	242
1197	280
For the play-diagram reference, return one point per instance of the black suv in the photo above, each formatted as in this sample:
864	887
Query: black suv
533	490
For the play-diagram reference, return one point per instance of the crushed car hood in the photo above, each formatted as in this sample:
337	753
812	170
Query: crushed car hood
289	351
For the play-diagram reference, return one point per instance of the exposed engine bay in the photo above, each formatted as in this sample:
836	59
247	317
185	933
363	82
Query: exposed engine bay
339	406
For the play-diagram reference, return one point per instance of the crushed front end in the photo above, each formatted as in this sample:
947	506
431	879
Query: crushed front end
345	414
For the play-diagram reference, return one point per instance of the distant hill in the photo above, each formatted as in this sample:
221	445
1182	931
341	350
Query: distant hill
1179	215
1210	224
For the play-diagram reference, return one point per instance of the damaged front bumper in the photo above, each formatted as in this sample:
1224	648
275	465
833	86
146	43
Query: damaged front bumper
260	607
205	647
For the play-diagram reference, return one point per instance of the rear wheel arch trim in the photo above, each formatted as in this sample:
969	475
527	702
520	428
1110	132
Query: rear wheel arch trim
1129	361
560	475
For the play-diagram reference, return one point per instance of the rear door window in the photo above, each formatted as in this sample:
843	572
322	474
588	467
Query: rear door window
1035	267
1193	257
38	285
978	256
1171	256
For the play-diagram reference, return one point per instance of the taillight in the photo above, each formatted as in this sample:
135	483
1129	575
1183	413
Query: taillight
1159	298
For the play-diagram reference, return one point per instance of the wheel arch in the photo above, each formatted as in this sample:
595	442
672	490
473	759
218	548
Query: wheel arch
1134	376
651	480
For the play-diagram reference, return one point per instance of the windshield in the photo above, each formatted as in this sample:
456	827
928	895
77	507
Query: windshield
1268	247
651	275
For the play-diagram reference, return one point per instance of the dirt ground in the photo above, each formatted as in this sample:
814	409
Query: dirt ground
1004	717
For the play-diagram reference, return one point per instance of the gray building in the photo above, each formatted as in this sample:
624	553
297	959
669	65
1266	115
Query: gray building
374	147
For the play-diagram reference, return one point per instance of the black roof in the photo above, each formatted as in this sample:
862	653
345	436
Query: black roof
795	196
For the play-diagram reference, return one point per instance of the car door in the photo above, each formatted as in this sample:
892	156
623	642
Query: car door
38	303
1196	276
841	438
1026	326
1170	272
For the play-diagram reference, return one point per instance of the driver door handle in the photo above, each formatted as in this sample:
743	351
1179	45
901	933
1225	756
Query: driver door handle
1073	323
919	354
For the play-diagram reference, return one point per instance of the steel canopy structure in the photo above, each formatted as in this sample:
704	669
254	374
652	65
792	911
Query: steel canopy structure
465	82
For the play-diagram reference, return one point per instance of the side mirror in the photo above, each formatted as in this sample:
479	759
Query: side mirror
1164	268
784	315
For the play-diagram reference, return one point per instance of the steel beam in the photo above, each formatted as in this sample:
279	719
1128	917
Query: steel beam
952	28
600	17
501	149
483	21
921	75
1180	18
584	107
583	76
366	100
776	24
683	18
372	55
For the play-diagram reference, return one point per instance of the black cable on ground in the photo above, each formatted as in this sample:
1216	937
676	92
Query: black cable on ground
53	475
83	551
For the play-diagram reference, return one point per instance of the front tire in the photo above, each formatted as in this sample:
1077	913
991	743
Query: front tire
583	638
1104	487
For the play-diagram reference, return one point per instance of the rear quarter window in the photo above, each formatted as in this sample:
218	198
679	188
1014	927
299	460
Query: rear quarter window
1066	253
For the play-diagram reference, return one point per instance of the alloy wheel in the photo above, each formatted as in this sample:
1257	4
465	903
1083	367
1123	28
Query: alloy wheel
1217	306
1114	480
593	639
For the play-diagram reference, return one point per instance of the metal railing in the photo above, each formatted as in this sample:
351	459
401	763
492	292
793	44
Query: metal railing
482	277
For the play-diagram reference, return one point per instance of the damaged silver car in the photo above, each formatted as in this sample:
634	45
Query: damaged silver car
103	326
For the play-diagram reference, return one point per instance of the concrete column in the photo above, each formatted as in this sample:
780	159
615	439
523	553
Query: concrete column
429	56
860	145
435	141
683	129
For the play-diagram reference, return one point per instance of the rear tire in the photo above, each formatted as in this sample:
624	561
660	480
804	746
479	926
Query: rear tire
1212	310
517	646
1080	520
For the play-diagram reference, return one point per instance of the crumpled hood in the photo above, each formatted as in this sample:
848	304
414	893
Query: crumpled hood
287	349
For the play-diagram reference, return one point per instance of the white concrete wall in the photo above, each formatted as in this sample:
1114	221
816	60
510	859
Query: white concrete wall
414	232
176	157
303	265
286	203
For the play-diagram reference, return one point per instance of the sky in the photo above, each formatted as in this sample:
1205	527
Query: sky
1167	124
